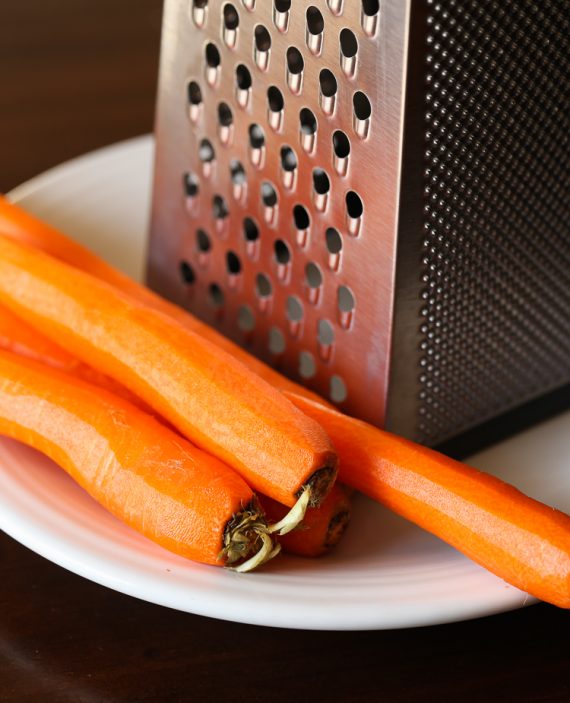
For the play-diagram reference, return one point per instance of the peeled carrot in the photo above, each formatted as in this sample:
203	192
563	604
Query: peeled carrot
203	391
20	338
176	495
19	225
321	529
517	538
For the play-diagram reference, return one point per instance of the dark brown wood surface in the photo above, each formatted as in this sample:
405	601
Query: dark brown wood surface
76	75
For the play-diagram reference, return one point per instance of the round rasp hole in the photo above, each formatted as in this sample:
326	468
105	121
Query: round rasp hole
315	20
345	299
275	99
262	38
333	240
268	194
307	366
220	208
250	230
328	83
237	172
295	61
243	77
233	264
338	392
308	121
370	7
282	252
187	272
215	295
263	286
194	93
231	17
203	241
213	58
191	185
200	4
245	318
341	144
313	275
325	332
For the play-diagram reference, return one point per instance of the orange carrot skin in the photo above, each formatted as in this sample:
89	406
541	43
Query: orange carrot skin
517	538
322	528
18	337
19	225
204	392
142	472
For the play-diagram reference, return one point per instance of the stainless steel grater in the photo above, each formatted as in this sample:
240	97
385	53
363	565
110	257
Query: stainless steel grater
372	197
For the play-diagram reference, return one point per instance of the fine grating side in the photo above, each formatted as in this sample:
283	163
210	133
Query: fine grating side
495	260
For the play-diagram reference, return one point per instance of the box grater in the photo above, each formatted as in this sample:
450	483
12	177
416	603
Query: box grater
373	196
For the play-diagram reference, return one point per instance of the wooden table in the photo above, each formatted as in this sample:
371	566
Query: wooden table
76	75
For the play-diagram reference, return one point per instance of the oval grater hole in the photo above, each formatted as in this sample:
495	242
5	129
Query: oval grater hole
275	107
187	273
262	46
314	281
289	165
302	224
276	341
191	189
337	389
294	312
315	26
225	123
345	302
233	263
220	211
369	16
203	241
325	337
199	12
321	189
327	91
215	295
231	24
239	179
207	156
245	318
295	68
335	6
307	366
270	203
256	145
194	96
263	287
348	52
251	237
361	113
333	241
341	149
282	252
281	12
354	212
213	61
243	85
307	129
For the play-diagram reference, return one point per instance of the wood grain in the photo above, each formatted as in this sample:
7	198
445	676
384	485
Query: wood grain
76	75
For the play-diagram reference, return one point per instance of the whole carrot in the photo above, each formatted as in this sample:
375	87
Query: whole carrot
23	227
517	538
203	391
321	529
176	495
20	338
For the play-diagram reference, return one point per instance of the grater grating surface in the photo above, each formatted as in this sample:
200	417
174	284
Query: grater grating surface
276	182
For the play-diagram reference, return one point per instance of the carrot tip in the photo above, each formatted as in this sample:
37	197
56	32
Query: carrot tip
247	534
294	517
320	482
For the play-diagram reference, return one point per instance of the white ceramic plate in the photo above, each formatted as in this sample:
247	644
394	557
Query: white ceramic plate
386	573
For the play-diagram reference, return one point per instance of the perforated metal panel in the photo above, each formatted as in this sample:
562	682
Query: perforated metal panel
373	196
